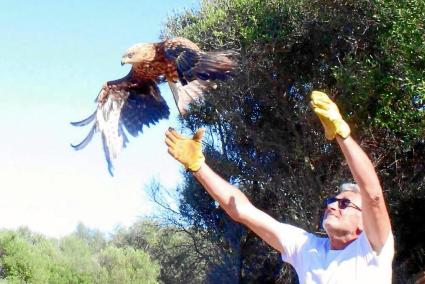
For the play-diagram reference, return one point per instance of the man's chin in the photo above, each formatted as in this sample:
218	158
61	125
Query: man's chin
330	218
329	223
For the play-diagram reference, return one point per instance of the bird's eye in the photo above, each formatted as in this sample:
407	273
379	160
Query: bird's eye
130	55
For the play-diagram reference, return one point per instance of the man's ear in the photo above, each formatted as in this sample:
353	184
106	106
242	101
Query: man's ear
360	227
358	231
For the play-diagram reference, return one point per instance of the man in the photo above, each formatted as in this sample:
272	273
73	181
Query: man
359	247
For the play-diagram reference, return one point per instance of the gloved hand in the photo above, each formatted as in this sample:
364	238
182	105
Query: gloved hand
187	151
329	116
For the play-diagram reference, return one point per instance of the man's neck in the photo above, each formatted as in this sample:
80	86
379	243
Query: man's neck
341	242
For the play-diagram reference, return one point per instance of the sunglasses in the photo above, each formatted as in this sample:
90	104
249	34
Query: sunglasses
342	203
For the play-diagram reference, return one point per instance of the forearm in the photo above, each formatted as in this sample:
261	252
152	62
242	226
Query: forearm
361	168
230	198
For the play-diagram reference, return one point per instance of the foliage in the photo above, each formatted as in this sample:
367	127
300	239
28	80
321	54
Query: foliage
127	265
216	237
19	262
26	257
169	245
368	55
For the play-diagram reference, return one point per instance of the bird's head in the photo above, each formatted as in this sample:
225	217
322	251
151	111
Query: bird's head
140	52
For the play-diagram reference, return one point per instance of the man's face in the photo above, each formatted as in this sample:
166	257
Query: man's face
339	221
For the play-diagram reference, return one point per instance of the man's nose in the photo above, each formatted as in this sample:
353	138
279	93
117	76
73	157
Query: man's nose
332	206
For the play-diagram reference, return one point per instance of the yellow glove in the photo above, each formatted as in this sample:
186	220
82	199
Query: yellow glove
187	151
329	116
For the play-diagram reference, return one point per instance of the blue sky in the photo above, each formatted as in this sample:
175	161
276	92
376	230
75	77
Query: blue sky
54	57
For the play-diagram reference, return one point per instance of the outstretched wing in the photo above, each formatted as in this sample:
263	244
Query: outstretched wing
125	104
195	69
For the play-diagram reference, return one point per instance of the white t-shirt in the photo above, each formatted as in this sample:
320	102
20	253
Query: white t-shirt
315	262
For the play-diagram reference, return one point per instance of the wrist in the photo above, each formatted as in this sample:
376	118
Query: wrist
342	128
196	166
199	169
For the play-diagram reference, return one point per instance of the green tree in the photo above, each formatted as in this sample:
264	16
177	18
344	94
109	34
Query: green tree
368	55
171	245
93	237
76	254
82	257
31	258
18	262
128	265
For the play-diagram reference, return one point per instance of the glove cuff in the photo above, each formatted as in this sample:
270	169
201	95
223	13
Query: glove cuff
196	165
342	128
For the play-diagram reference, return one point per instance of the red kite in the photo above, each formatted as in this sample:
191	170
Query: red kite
135	101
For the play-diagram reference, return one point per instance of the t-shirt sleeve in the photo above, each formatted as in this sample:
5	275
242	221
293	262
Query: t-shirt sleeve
385	256
292	239
387	252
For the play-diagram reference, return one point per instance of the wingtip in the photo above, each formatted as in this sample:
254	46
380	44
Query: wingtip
74	147
78	146
86	140
74	123
84	121
111	172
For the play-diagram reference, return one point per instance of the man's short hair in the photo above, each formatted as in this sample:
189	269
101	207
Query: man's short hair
349	187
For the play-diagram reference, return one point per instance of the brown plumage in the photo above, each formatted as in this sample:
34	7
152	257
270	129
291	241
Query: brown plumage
135	101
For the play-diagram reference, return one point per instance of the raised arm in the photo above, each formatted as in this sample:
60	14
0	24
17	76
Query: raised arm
376	221
231	199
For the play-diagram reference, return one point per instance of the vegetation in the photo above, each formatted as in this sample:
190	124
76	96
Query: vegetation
147	252
26	257
368	55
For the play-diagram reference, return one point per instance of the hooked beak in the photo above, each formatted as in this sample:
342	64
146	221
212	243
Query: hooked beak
124	59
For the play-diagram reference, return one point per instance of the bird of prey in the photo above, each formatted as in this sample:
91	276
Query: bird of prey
135	101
